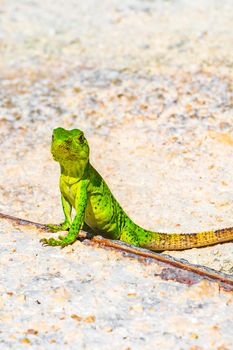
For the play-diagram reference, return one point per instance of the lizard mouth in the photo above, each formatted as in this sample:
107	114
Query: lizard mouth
63	153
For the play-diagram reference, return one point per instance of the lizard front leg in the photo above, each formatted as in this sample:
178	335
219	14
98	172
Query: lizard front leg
80	206
64	226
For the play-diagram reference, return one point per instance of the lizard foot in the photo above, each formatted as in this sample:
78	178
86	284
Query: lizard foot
55	228
56	242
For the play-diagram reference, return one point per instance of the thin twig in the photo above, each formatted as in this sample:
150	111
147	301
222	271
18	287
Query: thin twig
136	252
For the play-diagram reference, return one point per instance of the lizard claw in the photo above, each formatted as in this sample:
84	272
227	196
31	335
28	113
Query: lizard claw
44	241
49	242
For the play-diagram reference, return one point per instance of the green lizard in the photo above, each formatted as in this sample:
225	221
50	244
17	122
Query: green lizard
83	189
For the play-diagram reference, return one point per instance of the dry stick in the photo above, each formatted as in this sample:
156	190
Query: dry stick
165	259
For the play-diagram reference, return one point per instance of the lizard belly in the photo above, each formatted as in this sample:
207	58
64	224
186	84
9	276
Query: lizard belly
100	218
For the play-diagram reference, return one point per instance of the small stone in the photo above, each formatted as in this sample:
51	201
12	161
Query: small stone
25	341
32	331
194	336
107	329
137	308
90	319
76	317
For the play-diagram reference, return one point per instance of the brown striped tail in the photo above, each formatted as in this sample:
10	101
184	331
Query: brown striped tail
179	241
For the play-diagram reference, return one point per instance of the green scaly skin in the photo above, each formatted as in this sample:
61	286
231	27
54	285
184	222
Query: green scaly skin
83	189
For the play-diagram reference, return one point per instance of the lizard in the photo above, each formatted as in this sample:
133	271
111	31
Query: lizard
84	189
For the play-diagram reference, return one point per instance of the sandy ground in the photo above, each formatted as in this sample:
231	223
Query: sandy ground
151	84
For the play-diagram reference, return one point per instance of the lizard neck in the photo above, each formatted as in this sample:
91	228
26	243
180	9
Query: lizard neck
74	170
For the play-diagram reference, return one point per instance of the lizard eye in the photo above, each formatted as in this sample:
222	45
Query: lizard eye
81	138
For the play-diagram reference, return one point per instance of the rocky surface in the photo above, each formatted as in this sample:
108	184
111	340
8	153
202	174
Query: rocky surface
151	84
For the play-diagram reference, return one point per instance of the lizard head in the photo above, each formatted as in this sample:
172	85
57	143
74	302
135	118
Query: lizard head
69	146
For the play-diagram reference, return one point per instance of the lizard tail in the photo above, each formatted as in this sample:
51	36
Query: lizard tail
179	241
